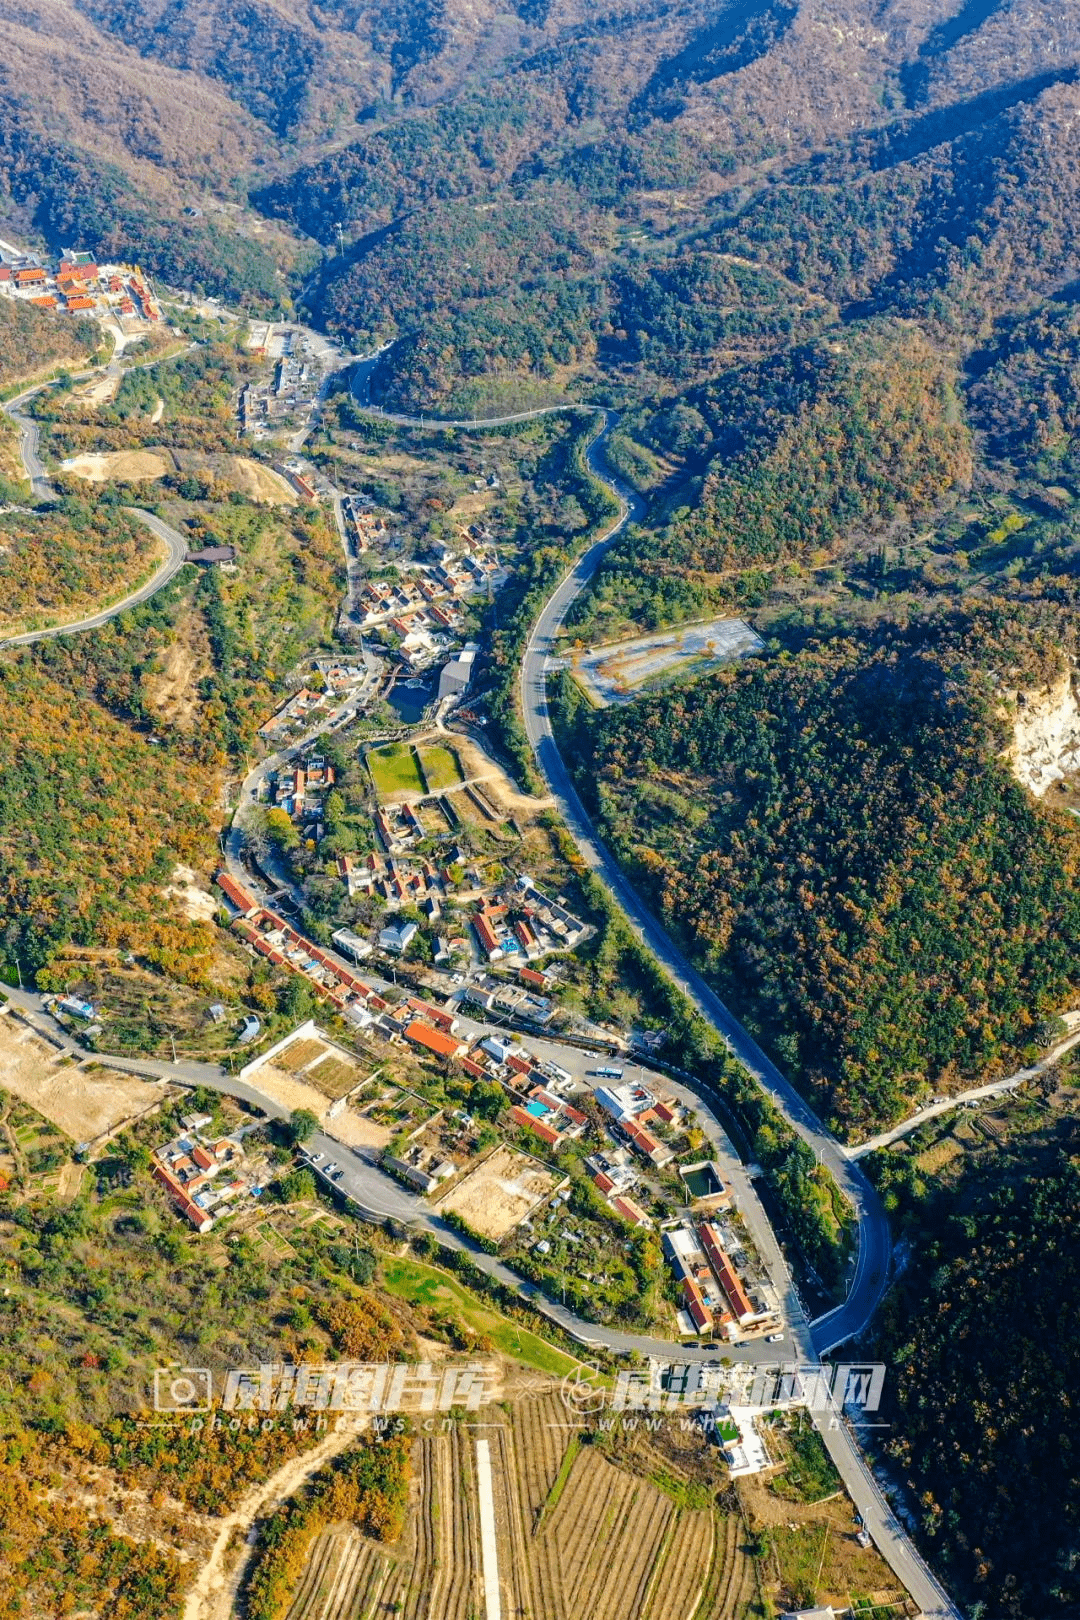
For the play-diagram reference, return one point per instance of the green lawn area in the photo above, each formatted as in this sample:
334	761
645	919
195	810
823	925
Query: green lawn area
426	1285
394	770
442	768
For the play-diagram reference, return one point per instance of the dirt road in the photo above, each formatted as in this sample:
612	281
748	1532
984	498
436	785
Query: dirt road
213	1594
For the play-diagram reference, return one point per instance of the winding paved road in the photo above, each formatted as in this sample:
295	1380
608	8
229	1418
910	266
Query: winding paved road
380	1198
175	557
175	544
874	1239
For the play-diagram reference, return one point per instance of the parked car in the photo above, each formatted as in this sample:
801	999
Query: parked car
774	1338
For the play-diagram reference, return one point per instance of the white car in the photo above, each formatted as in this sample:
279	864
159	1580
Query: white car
775	1338
316	1158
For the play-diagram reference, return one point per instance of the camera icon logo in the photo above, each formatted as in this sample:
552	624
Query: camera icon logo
183	1389
583	1389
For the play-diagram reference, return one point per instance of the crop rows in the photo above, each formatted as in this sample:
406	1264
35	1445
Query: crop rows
342	1579
457	1596
731	1586
607	1521
512	1522
408	1589
541	1437
684	1567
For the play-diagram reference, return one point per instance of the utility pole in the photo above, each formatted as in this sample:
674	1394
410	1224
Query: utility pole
821	1560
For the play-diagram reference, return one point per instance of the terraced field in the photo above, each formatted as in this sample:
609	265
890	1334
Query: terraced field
578	1534
343	1580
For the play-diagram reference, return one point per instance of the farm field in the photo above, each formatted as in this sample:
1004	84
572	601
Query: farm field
499	1192
344	1576
316	1062
395	770
617	672
441	768
566	1517
83	1100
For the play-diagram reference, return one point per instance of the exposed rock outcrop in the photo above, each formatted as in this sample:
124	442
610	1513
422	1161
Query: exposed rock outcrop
1046	735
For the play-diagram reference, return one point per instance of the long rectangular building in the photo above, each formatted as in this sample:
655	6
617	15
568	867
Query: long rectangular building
726	1276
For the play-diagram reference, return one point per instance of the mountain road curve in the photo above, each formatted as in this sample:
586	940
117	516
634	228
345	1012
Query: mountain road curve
43	489
874	1240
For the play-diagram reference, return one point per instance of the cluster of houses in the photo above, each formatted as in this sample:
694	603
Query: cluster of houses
422	605
528	1081
521	923
365	526
521	1000
343	679
632	1109
276	940
300	790
714	1296
404	601
80	286
269	406
205	1176
396	881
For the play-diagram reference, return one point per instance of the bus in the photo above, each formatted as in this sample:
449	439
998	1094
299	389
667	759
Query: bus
608	1072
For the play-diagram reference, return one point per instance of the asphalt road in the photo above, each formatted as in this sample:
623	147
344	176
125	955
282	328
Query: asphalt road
874	1240
176	555
868	1284
175	544
30	445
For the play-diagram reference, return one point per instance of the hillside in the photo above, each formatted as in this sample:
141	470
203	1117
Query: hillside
896	153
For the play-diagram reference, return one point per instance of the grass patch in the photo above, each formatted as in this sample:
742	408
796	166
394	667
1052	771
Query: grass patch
426	1286
395	769
441	768
809	1475
559	1483
799	1556
691	1494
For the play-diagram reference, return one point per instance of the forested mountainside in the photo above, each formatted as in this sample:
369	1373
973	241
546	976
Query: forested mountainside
829	833
981	1332
903	155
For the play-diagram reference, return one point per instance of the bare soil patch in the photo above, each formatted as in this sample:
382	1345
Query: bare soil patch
126	466
499	1192
499	787
261	483
83	1102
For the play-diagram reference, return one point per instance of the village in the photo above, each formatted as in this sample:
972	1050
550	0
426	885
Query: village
76	285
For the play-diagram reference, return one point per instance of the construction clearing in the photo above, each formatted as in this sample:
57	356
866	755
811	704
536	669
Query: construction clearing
618	672
84	1100
127	466
499	1192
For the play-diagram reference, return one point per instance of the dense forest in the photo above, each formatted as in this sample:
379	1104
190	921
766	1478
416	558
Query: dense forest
830	833
32	340
69	559
981	1333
